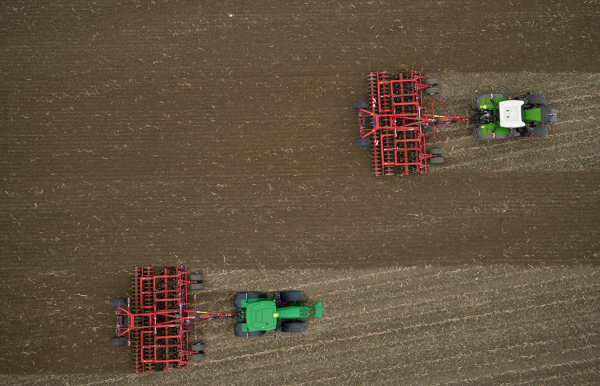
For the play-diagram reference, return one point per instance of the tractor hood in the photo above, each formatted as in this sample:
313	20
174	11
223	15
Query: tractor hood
510	113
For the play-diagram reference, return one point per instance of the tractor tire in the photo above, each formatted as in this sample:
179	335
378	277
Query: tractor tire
116	342
431	82
362	142
436	160
293	296
539	132
477	98
197	347
118	302
432	91
237	331
535	100
196	286
360	104
197	357
294	327
196	276
237	298
436	150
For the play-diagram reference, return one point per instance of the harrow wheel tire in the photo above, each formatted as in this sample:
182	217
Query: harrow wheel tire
436	160
436	150
237	331
237	298
118	302
431	82
362	142
293	296
432	91
296	327
536	100
197	357
196	276
196	286
197	346
116	342
360	104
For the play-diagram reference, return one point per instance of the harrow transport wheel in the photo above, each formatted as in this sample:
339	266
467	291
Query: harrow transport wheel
360	104
197	346
196	277
436	150
118	302
293	296
296	327
362	142
432	91
431	82
196	286
237	298
197	357
116	342
436	160
237	331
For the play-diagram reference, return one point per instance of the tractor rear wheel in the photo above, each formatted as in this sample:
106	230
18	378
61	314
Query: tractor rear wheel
197	346
293	296
432	91
362	142
116	342
360	104
237	331
296	327
237	298
196	276
436	150
196	286
431	82
436	160
197	357
118	302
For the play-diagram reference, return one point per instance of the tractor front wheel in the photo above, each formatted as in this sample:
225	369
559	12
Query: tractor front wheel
293	296
535	100
237	331
297	327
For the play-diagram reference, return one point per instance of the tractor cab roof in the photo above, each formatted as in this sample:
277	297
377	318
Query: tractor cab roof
510	112
261	316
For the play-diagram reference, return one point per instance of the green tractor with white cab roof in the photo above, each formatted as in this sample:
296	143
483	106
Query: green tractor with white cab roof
497	116
258	313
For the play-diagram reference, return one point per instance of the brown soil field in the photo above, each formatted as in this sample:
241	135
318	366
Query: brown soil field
220	136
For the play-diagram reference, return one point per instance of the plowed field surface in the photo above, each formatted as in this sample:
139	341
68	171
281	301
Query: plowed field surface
220	136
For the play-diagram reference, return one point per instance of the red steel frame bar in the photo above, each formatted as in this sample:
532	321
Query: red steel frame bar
398	123
158	319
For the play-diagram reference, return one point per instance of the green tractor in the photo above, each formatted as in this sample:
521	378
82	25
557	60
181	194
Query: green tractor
497	116
258	313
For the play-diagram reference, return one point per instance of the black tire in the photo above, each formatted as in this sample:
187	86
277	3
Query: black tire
196	276
431	82
535	100
196	286
118	302
116	342
197	357
237	298
360	104
293	296
295	327
432	91
197	347
436	160
362	142
477	98
237	331
539	132
436	150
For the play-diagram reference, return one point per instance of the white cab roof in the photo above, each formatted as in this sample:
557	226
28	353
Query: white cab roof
510	113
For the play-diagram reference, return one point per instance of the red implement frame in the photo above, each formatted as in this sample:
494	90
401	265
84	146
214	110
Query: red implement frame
397	121
157	319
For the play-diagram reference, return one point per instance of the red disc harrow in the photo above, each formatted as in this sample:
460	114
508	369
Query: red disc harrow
156	321
395	120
